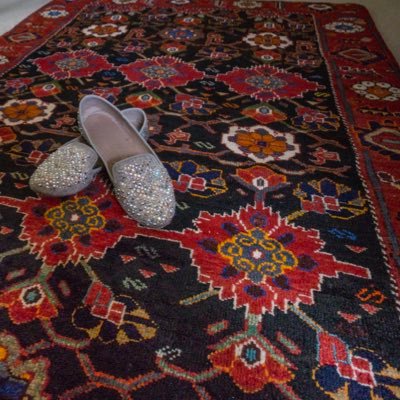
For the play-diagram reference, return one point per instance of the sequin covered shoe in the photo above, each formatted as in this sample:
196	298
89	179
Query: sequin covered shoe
74	165
142	184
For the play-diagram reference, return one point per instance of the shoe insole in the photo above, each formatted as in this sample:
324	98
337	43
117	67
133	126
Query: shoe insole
113	140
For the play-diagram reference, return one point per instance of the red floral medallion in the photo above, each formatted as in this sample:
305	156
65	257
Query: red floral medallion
266	83
73	64
158	72
80	227
261	261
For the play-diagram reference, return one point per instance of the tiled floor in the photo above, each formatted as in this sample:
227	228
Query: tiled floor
386	14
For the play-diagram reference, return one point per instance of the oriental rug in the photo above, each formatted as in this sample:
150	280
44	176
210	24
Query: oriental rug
278	277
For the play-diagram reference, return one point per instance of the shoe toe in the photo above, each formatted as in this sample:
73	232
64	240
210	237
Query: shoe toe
65	172
144	189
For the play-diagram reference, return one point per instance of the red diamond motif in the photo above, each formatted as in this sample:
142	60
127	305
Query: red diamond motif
350	318
169	268
5	231
126	258
370	309
146	273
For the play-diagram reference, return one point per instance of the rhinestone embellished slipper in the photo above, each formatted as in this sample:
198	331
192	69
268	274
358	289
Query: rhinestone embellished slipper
73	166
142	184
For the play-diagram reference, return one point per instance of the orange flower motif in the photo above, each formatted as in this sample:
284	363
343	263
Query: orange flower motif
257	143
105	30
267	40
261	143
23	112
16	112
381	91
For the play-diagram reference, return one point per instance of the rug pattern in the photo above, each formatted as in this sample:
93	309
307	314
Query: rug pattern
278	278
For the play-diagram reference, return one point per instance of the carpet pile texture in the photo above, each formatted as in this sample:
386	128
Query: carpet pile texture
278	277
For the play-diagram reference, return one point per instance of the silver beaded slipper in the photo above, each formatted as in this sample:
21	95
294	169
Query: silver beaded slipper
141	183
74	165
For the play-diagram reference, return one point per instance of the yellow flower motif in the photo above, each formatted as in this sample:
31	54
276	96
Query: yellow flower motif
255	253
75	217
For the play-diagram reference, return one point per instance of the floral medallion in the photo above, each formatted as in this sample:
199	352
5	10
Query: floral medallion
73	64
268	40
256	258
83	226
266	83
158	72
105	30
382	91
54	13
344	27
17	112
260	143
